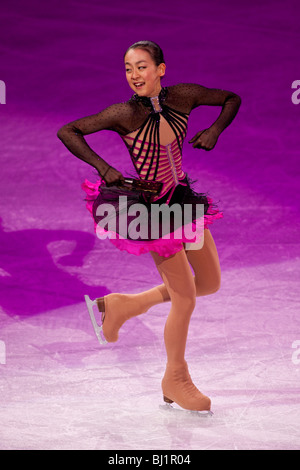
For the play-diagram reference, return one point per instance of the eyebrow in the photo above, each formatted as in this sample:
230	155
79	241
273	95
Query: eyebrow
128	63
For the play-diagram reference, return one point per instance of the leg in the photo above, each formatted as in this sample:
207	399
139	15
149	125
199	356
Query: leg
118	308
206	266
122	307
178	280
177	384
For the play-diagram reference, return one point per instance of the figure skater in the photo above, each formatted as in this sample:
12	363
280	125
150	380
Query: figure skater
153	126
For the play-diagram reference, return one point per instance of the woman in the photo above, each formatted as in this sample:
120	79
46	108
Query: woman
153	125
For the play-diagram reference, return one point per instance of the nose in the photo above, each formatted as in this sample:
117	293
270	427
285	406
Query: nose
135	74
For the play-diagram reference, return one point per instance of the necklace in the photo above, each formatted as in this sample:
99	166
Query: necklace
154	102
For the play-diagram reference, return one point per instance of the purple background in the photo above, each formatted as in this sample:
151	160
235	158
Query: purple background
64	60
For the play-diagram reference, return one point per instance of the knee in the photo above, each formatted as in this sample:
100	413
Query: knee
186	301
188	305
190	302
215	286
208	287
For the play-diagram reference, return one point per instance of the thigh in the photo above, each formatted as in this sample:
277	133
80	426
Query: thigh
176	274
206	265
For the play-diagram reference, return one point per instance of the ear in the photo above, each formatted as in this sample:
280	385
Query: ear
162	69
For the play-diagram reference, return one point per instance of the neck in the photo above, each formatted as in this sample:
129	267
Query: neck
154	102
156	93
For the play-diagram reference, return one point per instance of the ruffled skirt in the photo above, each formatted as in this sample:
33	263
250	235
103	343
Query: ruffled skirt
132	221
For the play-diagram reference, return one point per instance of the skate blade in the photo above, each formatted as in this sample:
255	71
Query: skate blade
97	328
200	414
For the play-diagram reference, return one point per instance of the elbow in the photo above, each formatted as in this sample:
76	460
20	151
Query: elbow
60	133
238	100
66	130
233	99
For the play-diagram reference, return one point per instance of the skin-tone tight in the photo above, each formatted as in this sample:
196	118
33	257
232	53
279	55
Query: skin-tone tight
179	286
182	287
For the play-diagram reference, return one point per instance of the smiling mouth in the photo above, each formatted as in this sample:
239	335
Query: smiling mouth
139	84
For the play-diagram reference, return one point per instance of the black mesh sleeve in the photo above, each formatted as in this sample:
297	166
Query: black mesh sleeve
188	96
115	118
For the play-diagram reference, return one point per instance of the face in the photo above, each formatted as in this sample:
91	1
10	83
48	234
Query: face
142	74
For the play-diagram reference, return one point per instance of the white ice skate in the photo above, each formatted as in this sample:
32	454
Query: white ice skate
98	328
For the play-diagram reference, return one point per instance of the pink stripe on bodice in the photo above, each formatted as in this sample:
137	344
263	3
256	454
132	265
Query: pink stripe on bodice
168	170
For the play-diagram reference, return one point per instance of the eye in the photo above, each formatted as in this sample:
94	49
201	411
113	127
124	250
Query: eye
141	67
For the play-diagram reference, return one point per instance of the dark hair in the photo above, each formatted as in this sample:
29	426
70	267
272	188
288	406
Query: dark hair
152	48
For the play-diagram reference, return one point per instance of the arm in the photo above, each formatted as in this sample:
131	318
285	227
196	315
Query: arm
72	136
230	103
